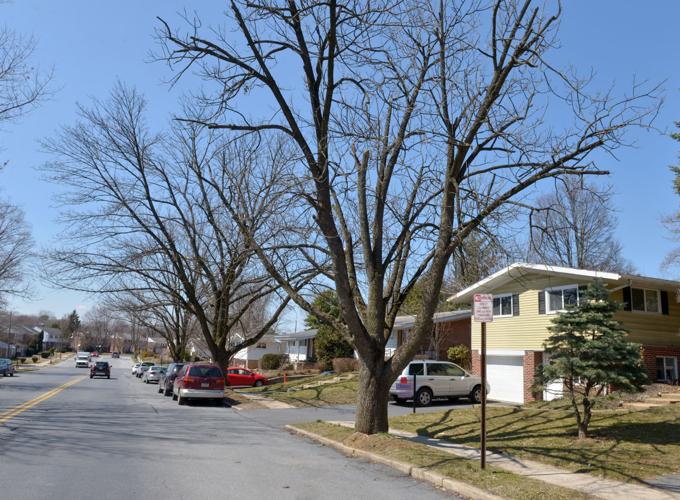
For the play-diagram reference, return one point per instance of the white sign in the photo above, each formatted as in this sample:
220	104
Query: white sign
483	307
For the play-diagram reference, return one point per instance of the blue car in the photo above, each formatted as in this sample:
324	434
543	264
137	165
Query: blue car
6	367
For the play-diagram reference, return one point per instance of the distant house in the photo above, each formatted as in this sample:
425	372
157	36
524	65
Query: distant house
299	346
251	356
527	296
52	338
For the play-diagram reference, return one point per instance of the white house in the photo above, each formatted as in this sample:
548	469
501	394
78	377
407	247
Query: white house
299	346
249	357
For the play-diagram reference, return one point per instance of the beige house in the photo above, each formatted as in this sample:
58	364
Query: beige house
526	296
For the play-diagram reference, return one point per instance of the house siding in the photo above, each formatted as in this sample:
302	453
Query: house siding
529	330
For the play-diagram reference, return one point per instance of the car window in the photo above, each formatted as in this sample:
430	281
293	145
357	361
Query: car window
102	364
444	369
205	371
415	369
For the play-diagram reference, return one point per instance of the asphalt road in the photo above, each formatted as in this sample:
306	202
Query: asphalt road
118	438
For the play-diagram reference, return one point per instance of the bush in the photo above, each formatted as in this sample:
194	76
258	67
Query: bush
459	354
45	354
343	365
22	360
34	358
272	361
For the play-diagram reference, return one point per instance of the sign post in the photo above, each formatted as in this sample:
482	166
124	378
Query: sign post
483	313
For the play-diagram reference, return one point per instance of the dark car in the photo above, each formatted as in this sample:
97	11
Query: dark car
6	367
199	381
100	368
168	378
115	355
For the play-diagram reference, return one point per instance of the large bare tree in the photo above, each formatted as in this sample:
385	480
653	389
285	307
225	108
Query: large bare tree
574	227
413	124
141	222
16	246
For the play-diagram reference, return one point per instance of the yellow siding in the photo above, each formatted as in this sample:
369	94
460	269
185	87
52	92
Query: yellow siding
528	331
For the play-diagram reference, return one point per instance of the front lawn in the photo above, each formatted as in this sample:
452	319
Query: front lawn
623	444
493	480
326	390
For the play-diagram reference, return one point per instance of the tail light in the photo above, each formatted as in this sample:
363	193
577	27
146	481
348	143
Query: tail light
403	380
191	382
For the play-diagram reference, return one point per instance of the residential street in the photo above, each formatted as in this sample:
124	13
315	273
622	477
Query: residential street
120	438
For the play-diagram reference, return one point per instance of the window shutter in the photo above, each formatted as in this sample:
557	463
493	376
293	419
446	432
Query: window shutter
581	290
664	302
515	304
627	299
541	302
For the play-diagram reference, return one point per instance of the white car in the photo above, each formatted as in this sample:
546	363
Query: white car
83	360
134	368
436	379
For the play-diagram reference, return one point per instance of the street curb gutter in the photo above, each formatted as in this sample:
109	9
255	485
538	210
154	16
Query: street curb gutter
420	473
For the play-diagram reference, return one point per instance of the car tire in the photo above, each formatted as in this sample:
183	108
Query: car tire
160	389
11	374
91	376
108	376
167	392
424	396
181	401
174	396
476	394
258	383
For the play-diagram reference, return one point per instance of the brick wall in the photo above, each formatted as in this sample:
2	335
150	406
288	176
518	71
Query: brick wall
531	360
452	333
476	363
650	352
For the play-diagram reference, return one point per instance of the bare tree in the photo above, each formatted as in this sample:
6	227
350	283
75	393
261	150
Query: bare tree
138	214
15	249
574	227
412	124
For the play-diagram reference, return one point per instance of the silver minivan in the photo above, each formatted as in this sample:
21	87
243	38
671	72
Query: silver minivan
436	379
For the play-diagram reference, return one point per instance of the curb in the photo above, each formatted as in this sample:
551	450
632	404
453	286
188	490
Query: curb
420	473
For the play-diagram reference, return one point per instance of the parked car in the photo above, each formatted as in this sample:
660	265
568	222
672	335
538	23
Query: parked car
199	381
94	354
436	379
101	368
135	367
243	377
83	360
153	374
6	367
143	368
168	378
115	354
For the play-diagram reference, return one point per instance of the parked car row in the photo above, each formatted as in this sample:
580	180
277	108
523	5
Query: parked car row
187	381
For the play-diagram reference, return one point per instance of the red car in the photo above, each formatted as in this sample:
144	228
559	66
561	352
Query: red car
199	381
243	377
94	354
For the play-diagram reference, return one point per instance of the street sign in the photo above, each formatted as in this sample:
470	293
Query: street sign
483	307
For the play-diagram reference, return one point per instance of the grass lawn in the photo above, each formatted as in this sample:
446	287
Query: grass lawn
623	444
335	393
493	480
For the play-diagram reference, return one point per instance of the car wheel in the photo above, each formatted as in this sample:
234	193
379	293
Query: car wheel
181	401
11	374
174	396
91	376
108	376
424	397
476	394
258	383
160	389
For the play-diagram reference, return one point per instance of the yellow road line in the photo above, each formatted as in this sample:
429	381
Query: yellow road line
10	414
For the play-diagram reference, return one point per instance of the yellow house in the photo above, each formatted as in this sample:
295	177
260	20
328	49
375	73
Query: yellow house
526	296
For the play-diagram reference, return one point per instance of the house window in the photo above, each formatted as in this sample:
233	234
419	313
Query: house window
645	300
561	298
261	345
666	368
502	305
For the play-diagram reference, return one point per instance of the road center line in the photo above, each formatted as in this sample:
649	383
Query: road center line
10	414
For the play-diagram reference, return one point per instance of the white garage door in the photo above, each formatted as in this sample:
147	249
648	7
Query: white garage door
506	378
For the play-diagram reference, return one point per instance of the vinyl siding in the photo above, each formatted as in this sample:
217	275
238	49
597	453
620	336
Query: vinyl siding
529	330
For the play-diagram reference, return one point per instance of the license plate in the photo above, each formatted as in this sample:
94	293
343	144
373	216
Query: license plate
204	385
403	386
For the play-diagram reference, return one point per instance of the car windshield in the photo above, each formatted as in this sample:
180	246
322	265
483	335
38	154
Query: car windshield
102	364
205	371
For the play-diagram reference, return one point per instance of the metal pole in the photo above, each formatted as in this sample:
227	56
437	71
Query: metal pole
483	369
414	391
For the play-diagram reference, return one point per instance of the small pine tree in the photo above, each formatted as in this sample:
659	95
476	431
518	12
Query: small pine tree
588	351
329	343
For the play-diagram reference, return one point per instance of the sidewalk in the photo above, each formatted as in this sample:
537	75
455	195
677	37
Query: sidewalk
269	403
586	483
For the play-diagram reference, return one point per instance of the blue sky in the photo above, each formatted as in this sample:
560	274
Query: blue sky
90	45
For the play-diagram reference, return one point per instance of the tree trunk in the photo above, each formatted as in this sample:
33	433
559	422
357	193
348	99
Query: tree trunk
372	398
